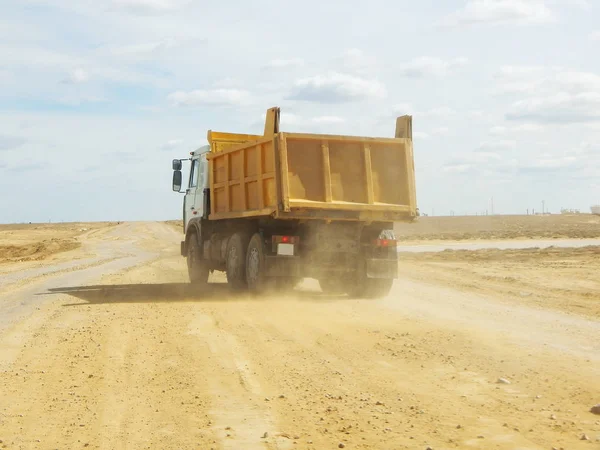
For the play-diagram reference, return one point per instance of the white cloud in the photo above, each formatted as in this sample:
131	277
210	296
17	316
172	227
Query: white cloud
561	108
440	111
497	12
499	144
562	164
219	97
77	76
458	168
288	119
476	114
144	49
337	88
584	4
327	119
426	66
499	130
403	109
440	131
525	128
140	60
151	109
5	75
172	144
228	83
356	60
79	98
595	35
551	95
11	142
435	112
475	161
284	63
150	6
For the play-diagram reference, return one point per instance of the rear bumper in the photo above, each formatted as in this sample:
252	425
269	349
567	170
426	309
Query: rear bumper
284	266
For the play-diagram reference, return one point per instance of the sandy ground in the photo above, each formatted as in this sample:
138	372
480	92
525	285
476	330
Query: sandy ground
118	351
36	242
580	226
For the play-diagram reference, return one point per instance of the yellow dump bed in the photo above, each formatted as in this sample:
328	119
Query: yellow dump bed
311	176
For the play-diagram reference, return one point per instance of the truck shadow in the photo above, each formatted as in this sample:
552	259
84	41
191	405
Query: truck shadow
172	292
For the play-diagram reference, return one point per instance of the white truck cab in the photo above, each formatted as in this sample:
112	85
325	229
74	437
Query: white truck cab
193	202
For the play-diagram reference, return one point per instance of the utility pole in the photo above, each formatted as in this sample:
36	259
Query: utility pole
543	206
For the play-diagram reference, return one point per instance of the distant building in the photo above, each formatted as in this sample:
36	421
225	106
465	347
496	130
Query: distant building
596	209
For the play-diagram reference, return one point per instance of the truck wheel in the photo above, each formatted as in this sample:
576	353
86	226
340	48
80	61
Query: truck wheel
236	261
332	286
255	264
197	267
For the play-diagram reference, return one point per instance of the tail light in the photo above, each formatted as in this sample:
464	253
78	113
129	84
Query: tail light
285	245
383	243
286	240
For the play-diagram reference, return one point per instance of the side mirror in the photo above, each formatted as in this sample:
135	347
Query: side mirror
177	180
176	164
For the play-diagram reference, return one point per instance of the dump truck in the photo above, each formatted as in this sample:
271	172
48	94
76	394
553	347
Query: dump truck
270	210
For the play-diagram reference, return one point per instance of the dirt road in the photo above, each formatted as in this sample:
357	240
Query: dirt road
117	351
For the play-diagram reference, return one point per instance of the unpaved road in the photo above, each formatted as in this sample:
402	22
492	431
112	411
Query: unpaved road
119	352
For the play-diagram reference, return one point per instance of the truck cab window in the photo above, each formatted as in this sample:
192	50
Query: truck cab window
194	174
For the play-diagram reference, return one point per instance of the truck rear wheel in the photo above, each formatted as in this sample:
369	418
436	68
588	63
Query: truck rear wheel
332	286
255	270
235	262
370	288
255	264
197	268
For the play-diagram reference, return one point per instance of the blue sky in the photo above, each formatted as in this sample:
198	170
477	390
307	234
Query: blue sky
97	96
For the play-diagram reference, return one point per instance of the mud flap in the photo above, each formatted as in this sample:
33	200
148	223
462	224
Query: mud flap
283	266
382	268
183	249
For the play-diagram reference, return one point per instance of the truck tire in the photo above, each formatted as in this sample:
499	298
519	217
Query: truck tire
255	270
197	268
255	265
332	286
361	286
235	263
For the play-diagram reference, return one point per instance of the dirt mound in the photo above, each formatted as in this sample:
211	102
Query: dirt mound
37	250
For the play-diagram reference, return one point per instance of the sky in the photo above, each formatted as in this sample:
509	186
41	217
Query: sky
98	96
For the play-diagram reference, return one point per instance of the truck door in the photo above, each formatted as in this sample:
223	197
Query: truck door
189	201
202	184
